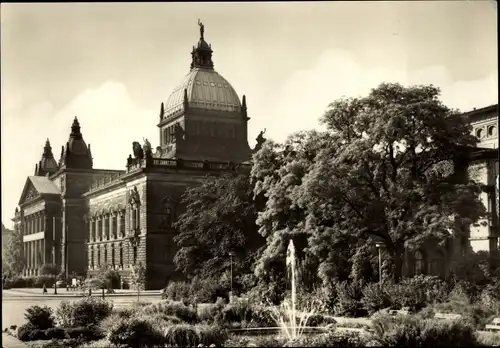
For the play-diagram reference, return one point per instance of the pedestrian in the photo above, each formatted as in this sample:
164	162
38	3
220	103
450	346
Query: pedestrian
44	289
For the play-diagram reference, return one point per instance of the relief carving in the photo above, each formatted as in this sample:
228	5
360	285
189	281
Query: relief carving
31	194
167	215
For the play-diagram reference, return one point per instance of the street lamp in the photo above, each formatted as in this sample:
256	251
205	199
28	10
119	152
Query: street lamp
231	292
379	246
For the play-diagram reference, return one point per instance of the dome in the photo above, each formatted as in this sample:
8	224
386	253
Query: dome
206	90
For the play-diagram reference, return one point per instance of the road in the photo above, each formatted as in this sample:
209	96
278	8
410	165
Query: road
14	305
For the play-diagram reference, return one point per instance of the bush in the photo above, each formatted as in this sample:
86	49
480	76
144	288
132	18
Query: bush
176	291
185	313
85	312
210	313
263	316
135	332
55	333
211	334
237	312
415	293
331	339
85	333
375	298
109	278
182	336
40	317
49	269
413	332
207	290
24	331
349	300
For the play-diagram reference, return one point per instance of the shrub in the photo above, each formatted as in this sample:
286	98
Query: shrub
86	333
210	313
40	317
269	341
109	278
48	280
331	339
263	316
85	312
55	333
49	269
176	291
349	300
24	331
135	332
181	336
317	319
374	298
207	290
185	313
211	334
237	312
65	343
413	332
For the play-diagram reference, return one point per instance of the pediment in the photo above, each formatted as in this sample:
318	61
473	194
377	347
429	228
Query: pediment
29	192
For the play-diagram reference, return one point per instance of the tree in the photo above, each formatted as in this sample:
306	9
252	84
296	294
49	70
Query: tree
219	219
12	251
138	277
389	168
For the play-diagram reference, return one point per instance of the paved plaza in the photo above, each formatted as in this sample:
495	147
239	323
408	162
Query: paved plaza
16	301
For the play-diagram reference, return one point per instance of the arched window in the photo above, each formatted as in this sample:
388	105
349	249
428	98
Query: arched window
419	263
436	265
121	254
113	255
105	254
92	254
98	256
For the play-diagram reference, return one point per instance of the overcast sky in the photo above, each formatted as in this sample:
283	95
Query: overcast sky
112	65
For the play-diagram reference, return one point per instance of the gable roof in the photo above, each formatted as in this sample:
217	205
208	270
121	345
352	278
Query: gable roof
38	185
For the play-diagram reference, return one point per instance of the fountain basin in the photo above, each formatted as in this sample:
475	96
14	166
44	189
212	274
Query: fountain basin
276	330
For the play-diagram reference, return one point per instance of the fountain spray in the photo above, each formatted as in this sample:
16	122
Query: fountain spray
290	262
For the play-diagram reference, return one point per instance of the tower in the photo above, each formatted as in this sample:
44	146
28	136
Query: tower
47	164
203	118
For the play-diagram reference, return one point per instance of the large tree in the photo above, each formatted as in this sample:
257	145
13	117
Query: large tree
12	251
219	219
389	168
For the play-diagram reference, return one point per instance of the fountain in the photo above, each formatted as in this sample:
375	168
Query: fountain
292	329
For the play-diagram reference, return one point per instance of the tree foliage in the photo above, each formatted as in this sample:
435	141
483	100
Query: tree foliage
389	168
12	251
219	219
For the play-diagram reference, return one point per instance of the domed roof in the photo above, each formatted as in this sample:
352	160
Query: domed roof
207	90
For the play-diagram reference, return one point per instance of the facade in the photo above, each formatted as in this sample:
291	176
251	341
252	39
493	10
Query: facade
84	219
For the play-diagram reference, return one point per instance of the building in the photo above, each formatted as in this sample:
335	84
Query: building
84	218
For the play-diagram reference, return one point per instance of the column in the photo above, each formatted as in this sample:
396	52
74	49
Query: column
111	230
118	224
89	229
103	226
27	256
98	228
32	261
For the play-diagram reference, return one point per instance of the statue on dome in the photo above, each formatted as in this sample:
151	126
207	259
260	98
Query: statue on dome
138	151
202	28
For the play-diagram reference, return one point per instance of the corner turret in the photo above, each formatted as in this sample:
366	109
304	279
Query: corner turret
47	164
76	154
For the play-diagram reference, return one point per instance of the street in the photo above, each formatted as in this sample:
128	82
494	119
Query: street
14	304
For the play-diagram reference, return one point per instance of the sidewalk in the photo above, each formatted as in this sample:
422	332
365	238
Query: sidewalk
63	293
10	342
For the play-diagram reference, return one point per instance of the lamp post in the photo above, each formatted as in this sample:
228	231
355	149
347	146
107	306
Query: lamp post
379	246
231	292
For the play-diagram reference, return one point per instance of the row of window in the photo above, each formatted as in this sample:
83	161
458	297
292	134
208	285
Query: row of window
490	132
209	129
33	224
99	255
113	227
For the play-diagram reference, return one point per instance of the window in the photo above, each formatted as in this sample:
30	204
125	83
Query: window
105	254
135	255
120	246
113	255
92	257
479	133
492	130
419	263
98	256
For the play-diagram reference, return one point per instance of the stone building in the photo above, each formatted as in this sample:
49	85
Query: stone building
84	219
482	165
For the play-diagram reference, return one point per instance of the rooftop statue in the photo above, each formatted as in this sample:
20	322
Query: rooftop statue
202	28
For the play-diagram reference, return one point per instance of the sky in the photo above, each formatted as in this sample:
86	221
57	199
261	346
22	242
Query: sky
112	64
